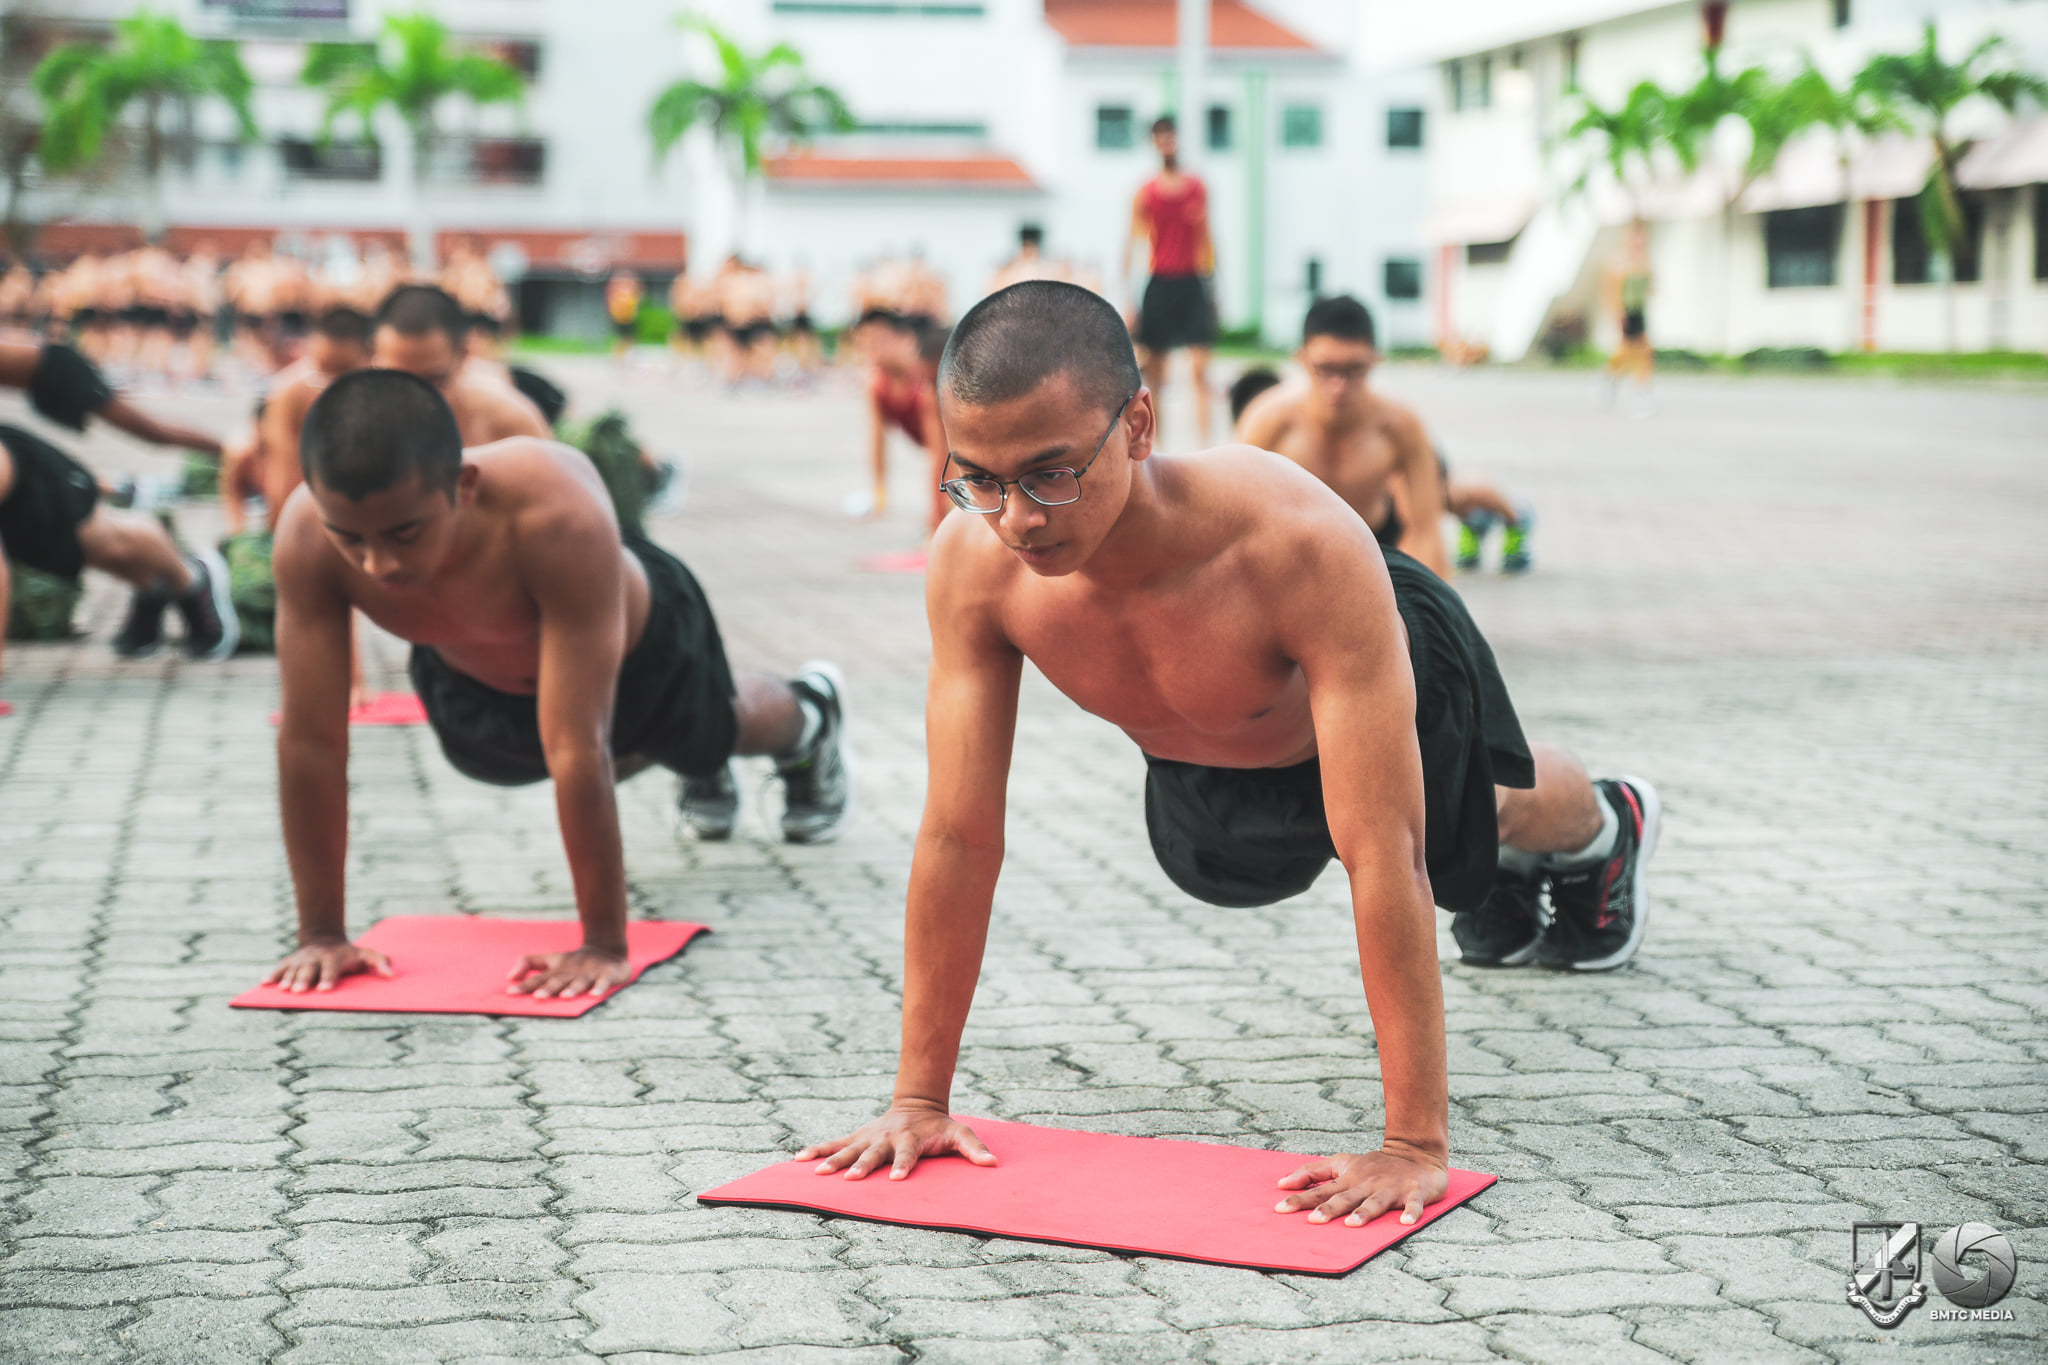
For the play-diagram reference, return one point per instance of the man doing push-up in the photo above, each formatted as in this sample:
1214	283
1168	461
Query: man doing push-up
1298	695
544	646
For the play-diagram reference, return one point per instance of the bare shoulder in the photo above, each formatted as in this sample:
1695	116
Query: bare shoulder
969	578
1400	420
550	495
300	555
1282	524
1269	416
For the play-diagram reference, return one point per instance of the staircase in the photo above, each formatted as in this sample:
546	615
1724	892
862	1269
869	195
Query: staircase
1546	263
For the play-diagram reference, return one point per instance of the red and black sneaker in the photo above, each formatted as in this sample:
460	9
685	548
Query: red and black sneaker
1597	912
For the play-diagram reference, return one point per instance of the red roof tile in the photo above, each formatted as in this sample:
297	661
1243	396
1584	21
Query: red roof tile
813	168
1156	23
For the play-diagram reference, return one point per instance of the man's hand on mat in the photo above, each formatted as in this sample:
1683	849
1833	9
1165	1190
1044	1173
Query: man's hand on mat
1364	1187
899	1138
321	966
587	971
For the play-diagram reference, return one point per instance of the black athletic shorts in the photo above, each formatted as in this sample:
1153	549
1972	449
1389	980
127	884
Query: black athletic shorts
627	330
50	499
1176	312
66	387
1390	528
1253	836
674	704
1632	324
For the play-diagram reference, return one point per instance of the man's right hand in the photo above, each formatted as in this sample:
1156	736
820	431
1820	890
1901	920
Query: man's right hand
899	1138
321	966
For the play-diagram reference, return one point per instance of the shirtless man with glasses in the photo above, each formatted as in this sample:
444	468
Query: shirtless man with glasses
1297	695
1371	450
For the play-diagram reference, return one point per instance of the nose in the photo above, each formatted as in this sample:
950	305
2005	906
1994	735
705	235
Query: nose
1021	515
379	564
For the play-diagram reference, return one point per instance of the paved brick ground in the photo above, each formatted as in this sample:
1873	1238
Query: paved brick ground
1812	612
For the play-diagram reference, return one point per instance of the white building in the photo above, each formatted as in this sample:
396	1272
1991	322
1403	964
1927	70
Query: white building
978	117
1801	259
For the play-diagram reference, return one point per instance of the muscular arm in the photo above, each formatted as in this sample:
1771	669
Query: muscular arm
970	725
570	560
1362	695
121	413
284	416
1265	421
312	730
1422	482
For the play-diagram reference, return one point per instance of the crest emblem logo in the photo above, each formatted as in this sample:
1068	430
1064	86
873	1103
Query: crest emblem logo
1884	1271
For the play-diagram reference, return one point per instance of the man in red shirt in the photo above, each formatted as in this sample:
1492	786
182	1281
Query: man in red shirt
1171	213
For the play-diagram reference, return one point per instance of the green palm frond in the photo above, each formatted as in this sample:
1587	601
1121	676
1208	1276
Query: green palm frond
152	62
755	98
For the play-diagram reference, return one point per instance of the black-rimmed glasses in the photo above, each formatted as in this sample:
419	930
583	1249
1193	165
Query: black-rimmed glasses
985	494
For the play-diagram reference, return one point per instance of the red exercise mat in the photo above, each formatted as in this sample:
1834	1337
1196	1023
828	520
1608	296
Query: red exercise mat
386	708
6	708
1194	1200
457	964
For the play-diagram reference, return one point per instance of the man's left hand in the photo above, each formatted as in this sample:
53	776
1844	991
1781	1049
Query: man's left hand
1359	1189
587	971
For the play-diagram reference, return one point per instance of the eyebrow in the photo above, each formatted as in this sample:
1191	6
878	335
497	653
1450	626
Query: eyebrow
382	531
1056	453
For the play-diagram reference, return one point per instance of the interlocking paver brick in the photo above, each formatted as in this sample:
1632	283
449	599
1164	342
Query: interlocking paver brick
1767	599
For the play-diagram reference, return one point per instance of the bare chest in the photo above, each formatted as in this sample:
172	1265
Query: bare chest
1194	674
485	625
1358	465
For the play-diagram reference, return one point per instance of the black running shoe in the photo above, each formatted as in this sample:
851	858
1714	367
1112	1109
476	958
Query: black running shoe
1504	930
212	630
1597	913
142	629
711	805
818	783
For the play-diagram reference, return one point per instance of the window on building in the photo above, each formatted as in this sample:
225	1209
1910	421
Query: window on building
1404	127
1312	277
336	160
1801	247
2041	232
1914	260
521	54
1471	83
1488	253
1301	125
1844	12
1116	127
1571	63
1220	132
1402	278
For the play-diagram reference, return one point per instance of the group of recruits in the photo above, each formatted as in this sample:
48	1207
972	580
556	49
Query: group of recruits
1299	693
148	312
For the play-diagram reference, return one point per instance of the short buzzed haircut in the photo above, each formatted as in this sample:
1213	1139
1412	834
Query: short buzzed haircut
1248	386
1163	124
344	325
415	310
1017	338
1341	316
373	429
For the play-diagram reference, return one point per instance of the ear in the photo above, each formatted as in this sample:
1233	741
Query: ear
1141	424
466	481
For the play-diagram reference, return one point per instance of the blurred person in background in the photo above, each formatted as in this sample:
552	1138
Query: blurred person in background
1628	286
1170	215
622	296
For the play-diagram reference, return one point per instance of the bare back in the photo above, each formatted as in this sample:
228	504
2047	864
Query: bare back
534	503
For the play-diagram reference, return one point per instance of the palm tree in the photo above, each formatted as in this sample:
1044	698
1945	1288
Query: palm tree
1697	116
756	96
413	70
1626	138
154	68
1921	83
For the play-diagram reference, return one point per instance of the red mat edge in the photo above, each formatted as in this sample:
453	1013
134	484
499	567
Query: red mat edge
710	1199
236	1002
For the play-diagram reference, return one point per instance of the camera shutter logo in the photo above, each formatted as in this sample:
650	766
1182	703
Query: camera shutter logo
1884	1271
1952	1276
